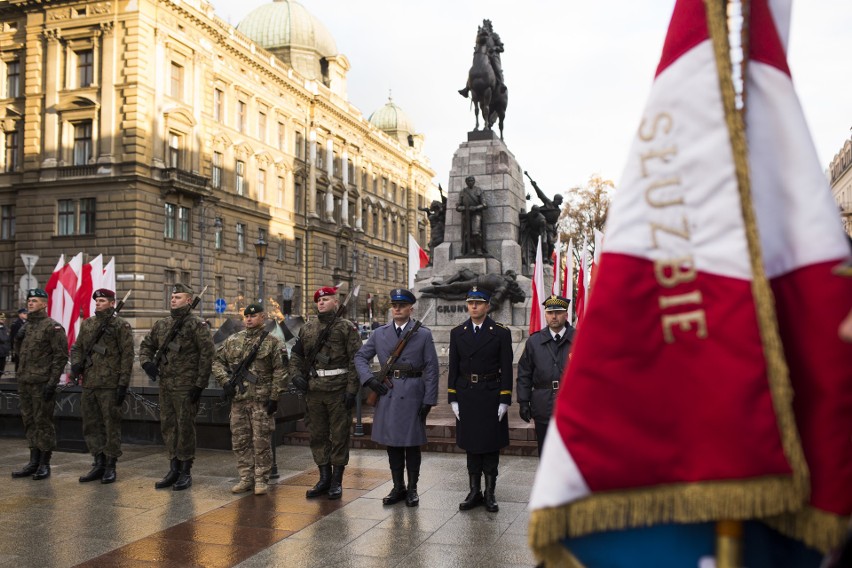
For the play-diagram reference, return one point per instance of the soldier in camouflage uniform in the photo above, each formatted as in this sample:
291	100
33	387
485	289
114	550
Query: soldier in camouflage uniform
42	349
106	375
184	372
331	388
252	411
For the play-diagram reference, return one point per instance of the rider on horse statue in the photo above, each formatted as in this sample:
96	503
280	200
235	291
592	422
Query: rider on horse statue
485	83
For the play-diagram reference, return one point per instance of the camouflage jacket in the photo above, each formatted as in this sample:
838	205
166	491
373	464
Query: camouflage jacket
187	362
269	365
338	352
42	349
111	358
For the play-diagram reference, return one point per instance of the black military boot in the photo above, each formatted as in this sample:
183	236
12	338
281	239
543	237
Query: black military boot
31	467
398	493
490	501
109	471
412	499
97	471
43	471
321	488
185	479
474	498
172	476
335	491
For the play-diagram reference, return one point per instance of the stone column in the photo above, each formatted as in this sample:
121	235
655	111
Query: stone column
359	191
160	65
109	111
52	86
312	175
344	208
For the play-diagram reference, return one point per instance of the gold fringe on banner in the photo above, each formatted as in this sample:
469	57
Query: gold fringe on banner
816	528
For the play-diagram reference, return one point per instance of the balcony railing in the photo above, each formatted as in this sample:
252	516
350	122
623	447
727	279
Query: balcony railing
65	172
184	182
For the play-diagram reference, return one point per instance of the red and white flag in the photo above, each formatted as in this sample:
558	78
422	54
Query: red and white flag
558	267
674	409
580	305
108	279
568	275
54	293
90	280
69	281
417	259
537	320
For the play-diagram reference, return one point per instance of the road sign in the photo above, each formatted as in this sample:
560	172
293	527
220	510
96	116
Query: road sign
28	281
220	305
29	261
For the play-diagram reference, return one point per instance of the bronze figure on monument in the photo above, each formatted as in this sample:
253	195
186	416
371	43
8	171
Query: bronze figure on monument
485	83
551	209
471	205
501	286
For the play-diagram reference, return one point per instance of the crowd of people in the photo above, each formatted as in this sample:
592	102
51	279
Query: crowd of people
327	366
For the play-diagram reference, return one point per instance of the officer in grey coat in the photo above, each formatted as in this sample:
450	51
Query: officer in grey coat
406	394
542	364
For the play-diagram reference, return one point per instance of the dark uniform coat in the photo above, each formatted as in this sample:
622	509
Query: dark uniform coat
540	367
486	353
396	421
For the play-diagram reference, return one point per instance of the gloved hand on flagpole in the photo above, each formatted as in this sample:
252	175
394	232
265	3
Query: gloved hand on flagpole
455	407
501	411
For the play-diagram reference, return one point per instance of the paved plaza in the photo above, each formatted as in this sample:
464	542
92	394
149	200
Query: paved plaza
60	522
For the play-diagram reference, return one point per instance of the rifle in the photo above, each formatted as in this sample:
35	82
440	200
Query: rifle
241	374
170	337
87	356
323	336
373	396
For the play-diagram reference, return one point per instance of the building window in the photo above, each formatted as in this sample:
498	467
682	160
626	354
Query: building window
298	145
297	251
241	289
395	272
351	172
320	157
336	170
217	236
174	150
169	281
282	252
85	67
280	200
261	234
218	105
297	300
7	222
261	185
82	143
240	183
385	229
375	223
324	256
261	123
241	237
13	78
12	151
375	267
7	290
241	116
218	159
183	225
351	213
176	81
170	221
336	209
387	273
341	257
298	192
355	261
75	217
282	136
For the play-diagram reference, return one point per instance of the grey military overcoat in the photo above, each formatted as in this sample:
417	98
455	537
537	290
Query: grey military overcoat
396	421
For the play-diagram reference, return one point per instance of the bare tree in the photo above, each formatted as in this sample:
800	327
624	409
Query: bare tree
584	211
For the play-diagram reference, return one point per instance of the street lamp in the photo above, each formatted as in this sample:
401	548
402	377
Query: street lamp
260	249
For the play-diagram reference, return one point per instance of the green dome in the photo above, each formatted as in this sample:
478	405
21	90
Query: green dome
287	24
391	118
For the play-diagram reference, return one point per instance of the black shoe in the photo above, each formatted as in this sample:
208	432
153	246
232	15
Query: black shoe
172	476
185	479
474	498
43	471
31	467
109	471
321	488
398	493
412	499
97	471
490	501
335	491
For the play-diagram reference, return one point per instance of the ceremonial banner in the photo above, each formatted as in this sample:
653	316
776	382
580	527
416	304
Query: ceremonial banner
677	406
580	304
537	320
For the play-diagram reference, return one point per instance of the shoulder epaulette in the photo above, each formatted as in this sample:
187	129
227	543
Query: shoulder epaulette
498	324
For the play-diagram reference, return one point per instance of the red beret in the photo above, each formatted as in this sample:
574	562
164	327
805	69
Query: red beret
103	293
325	291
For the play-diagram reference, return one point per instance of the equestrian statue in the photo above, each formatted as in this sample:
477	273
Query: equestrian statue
485	83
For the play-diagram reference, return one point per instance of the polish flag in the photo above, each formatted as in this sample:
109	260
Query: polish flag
417	259
54	293
69	282
677	406
580	306
90	280
537	320
108	278
568	274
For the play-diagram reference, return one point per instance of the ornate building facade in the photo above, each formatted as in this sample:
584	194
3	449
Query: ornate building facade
154	132
840	178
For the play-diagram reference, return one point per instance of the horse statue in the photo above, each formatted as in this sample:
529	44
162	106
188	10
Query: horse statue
482	79
499	102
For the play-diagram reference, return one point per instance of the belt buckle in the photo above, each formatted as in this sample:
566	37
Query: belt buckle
555	385
474	378
397	374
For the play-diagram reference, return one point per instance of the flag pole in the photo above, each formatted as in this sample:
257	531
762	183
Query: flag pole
729	543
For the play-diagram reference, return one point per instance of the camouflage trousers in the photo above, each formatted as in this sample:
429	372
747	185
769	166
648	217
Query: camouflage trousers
177	423
251	439
101	422
37	416
329	422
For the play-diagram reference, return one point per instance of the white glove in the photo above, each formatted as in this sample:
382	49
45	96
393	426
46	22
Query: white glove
501	411
455	406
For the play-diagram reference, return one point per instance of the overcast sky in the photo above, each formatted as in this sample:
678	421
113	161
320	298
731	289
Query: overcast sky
578	72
